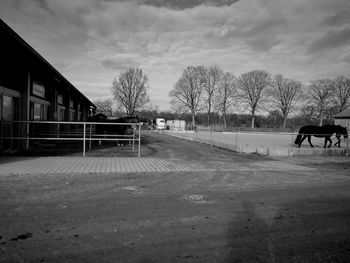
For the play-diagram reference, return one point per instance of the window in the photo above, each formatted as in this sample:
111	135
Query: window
72	111
60	99
61	113
72	115
7	108
79	112
71	103
38	90
39	112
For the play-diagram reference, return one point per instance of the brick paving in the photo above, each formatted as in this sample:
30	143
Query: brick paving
51	165
73	164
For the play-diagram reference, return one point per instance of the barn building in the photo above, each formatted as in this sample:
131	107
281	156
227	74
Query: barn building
32	90
343	119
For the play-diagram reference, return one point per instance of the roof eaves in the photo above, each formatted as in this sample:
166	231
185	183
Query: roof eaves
20	40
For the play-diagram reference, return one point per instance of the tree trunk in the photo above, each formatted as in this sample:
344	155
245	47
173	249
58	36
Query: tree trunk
284	122
321	119
193	120
253	121
208	118
224	119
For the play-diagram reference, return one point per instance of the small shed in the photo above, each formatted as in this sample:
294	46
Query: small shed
176	125
343	119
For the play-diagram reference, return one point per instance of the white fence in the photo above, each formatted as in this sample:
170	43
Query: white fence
266	143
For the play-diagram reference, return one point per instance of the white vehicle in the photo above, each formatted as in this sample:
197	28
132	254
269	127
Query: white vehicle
160	124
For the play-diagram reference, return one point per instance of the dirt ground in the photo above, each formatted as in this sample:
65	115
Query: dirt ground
249	208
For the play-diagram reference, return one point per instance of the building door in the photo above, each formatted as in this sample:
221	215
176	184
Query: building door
9	129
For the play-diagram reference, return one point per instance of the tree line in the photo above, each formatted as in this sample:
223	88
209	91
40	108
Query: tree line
210	96
211	89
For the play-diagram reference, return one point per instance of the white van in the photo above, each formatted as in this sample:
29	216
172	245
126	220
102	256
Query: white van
160	124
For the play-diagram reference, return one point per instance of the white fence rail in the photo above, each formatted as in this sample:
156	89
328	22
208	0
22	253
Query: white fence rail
266	143
86	132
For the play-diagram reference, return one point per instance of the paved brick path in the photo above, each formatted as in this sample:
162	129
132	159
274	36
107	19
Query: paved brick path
67	165
43	165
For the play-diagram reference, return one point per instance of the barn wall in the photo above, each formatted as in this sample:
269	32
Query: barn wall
31	89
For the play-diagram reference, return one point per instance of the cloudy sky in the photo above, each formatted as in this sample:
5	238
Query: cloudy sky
91	41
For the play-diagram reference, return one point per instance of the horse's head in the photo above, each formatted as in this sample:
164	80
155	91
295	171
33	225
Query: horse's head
342	131
345	132
132	119
98	117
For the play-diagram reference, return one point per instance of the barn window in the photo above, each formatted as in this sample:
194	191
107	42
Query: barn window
39	90
60	99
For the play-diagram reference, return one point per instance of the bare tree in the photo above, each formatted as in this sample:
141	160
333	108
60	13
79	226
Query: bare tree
152	111
308	112
104	106
253	86
225	95
321	93
285	94
188	89
130	90
212	78
341	92
177	107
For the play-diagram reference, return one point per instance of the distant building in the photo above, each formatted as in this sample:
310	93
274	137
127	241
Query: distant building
343	119
176	125
32	90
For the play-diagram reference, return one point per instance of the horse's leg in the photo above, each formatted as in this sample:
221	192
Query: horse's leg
309	140
326	139
301	141
338	142
330	142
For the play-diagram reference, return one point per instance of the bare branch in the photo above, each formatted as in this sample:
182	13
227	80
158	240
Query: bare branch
253	86
130	90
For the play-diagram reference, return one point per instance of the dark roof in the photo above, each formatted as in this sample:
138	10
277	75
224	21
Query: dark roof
4	27
343	115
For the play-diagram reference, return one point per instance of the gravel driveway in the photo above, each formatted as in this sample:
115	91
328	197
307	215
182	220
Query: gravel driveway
235	208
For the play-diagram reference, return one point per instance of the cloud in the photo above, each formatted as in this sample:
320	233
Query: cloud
346	58
93	41
179	4
339	19
331	40
119	64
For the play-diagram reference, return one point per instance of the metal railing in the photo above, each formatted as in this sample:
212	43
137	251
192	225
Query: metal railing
69	131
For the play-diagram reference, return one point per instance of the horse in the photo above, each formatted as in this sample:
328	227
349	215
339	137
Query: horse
109	129
325	131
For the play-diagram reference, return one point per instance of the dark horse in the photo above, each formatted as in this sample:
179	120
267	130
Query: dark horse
109	129
325	131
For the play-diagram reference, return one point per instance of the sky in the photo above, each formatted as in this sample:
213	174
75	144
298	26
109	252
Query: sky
90	42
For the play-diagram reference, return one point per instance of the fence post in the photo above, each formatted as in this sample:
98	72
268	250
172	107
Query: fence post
139	150
27	135
133	137
1	135
90	132
84	139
